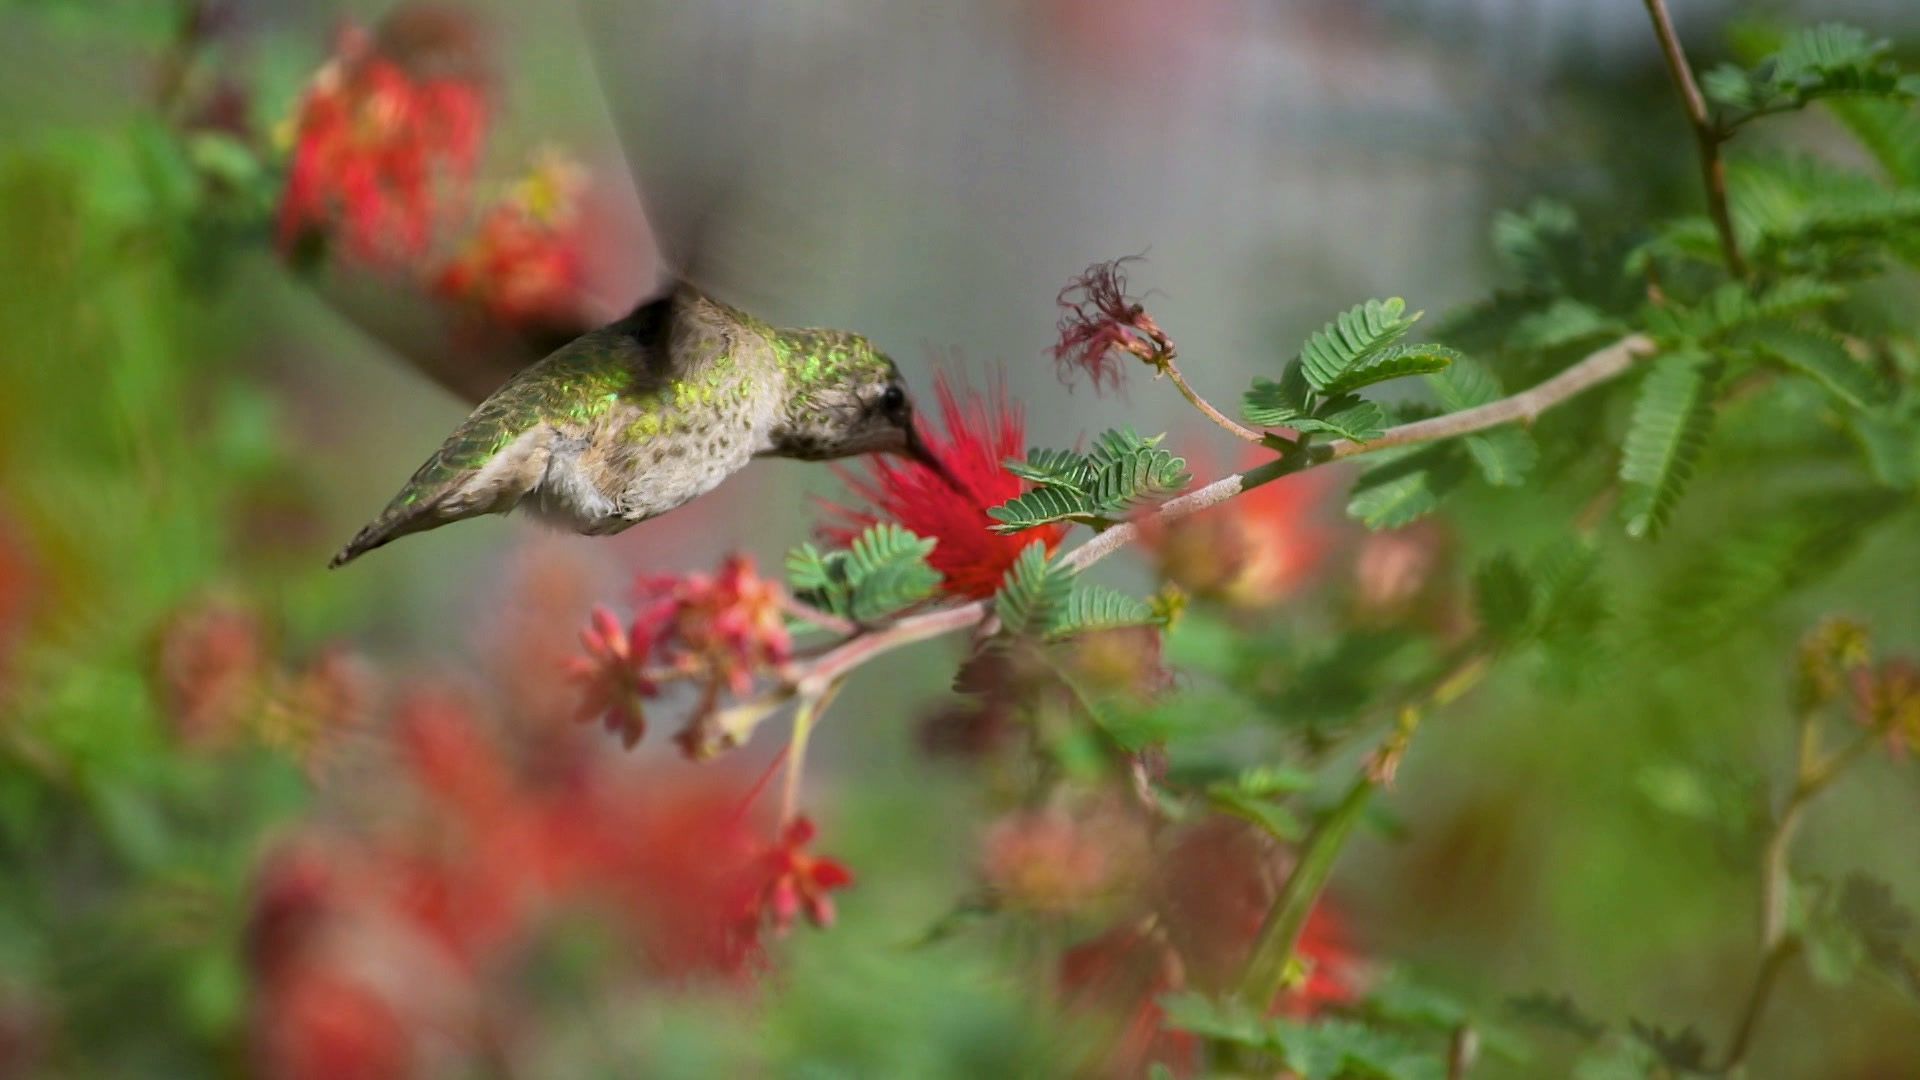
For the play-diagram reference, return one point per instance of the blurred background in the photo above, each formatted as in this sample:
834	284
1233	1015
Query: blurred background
210	744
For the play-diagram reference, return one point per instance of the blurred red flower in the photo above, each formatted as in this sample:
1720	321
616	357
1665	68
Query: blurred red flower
385	950
981	432
797	881
1215	883
1098	321
1887	699
613	675
1252	551
210	667
386	138
725	626
524	265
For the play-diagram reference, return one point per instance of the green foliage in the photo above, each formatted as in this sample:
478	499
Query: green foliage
1096	607
1821	61
1034	594
1405	488
1316	393
1821	357
1357	336
1669	428
1323	1050
1765	553
1121	472
883	571
1855	926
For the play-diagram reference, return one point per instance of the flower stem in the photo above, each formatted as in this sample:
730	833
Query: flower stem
1172	371
804	717
1266	971
1813	774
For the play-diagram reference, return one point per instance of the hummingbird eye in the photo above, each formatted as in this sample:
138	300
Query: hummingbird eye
894	399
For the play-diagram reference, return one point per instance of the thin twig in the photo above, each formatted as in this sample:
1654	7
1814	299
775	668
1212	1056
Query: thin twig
1172	371
803	721
1705	134
808	679
1524	407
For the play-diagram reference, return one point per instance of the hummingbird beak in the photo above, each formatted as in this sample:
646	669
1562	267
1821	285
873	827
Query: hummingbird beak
917	451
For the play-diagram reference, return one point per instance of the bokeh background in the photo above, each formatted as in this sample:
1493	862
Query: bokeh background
197	406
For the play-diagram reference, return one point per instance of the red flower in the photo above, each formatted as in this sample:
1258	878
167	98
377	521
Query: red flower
799	882
1098	320
524	264
726	627
1254	550
211	667
980	434
1887	700
614	675
385	138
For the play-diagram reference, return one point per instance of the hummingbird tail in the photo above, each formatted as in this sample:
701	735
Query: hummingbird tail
385	529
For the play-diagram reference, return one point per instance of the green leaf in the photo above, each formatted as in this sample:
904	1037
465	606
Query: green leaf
1668	429
1097	607
1505	455
1041	506
1889	444
1053	468
1558	1011
1392	362
1404	489
1122	470
807	569
885	569
1564	322
1763	554
1353	337
1277	404
1889	130
1466	384
1033	593
1348	417
1822	359
1684	1050
1503	597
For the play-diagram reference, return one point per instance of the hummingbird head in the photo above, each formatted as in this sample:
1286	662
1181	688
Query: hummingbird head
845	398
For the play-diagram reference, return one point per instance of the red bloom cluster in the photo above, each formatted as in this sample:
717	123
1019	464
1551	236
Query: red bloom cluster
392	950
719	629
1887	700
1099	320
524	264
981	433
386	138
218	681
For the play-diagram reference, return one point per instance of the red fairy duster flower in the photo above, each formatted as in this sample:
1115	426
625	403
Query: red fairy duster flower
386	138
524	264
981	432
613	674
798	882
1098	321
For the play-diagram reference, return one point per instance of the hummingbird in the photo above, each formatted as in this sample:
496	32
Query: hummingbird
649	413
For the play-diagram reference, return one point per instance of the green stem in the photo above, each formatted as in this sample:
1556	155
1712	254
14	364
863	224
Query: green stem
804	718
1266	973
